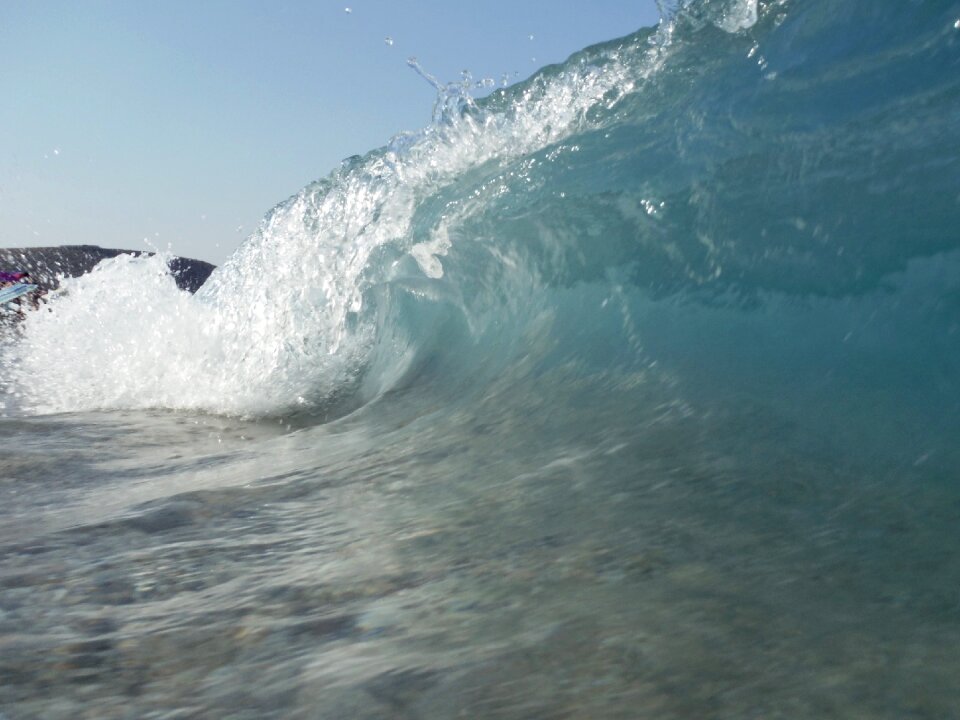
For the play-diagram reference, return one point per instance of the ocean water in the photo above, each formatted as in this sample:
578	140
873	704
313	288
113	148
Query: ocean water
628	391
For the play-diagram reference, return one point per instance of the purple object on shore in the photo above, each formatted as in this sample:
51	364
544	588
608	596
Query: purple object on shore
8	277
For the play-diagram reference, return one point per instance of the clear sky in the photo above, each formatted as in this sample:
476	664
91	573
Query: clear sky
180	123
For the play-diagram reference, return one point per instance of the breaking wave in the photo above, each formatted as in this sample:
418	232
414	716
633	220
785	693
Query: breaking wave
750	191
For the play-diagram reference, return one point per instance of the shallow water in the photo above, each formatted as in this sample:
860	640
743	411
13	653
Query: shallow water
629	392
415	561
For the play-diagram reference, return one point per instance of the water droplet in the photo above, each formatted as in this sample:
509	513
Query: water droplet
956	25
388	40
348	10
530	36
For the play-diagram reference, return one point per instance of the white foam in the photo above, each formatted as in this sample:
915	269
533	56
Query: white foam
284	320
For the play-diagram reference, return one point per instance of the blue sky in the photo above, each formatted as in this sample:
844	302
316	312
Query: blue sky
125	123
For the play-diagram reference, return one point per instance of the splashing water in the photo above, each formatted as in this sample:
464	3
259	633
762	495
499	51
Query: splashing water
287	321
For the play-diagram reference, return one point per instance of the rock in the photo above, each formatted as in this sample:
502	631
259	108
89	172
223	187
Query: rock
47	264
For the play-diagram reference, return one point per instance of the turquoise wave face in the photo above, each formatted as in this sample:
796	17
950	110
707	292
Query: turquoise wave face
754	197
768	212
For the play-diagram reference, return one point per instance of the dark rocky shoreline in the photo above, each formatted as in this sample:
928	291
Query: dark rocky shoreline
47	265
